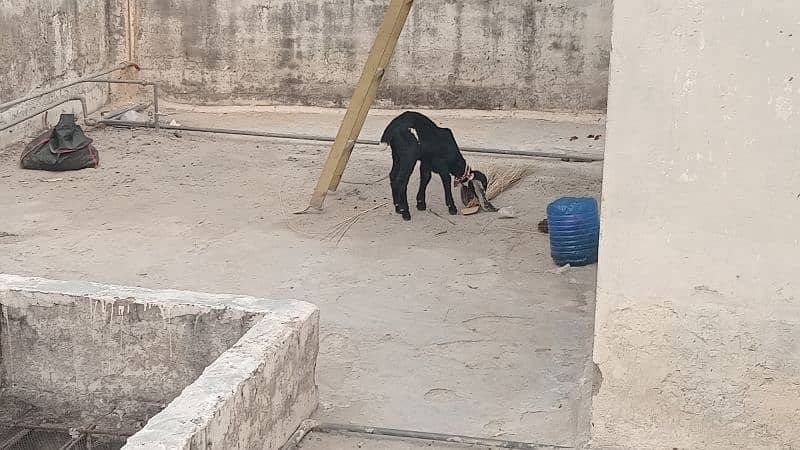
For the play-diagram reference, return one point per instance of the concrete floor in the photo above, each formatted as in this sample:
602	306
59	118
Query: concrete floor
443	324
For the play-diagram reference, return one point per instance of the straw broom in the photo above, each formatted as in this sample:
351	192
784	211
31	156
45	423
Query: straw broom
501	178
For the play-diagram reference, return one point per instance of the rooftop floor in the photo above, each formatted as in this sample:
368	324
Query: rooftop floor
449	324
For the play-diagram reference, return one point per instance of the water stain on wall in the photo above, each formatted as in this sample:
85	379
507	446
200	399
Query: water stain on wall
542	55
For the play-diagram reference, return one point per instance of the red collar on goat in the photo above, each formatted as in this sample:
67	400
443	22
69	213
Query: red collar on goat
468	176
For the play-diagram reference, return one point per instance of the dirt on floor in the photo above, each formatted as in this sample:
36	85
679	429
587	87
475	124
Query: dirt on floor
447	324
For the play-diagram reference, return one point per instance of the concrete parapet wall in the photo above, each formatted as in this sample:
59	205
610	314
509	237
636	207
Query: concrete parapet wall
234	372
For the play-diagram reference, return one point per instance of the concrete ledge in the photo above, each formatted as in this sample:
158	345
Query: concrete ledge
252	397
256	390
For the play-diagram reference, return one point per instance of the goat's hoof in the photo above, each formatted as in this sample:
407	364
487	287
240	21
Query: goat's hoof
453	210
406	215
422	206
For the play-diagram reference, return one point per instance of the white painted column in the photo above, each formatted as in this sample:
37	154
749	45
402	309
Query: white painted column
697	329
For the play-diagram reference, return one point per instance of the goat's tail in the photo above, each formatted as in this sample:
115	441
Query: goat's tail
401	133
386	138
388	134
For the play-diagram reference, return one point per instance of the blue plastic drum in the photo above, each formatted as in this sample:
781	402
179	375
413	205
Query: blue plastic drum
574	228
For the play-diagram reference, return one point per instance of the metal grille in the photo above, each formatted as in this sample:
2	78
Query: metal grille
18	438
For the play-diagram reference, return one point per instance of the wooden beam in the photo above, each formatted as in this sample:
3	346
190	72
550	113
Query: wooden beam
363	96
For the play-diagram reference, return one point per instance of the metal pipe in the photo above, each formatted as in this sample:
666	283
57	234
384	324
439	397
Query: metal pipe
113	114
297	437
439	437
120	66
106	80
51	106
568	157
301	137
83	100
156	123
155	107
306	137
62	429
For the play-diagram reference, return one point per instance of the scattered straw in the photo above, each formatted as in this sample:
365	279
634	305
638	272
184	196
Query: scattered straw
366	183
340	229
441	216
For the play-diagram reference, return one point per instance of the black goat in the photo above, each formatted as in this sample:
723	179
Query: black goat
414	137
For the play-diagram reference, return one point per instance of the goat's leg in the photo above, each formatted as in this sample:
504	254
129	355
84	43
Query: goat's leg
393	184
448	193
424	179
401	187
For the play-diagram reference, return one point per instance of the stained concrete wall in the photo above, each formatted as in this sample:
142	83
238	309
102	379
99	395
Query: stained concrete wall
78	353
531	54
244	367
698	303
45	43
253	397
506	54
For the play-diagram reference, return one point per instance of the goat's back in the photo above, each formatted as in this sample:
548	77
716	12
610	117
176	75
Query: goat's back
409	119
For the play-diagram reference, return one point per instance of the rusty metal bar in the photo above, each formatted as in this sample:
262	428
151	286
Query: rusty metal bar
569	157
156	124
83	101
308	426
120	66
47	108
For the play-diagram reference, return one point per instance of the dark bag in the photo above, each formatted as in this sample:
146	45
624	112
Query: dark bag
65	147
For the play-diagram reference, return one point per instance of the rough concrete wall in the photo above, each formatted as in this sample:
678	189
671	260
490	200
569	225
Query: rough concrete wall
92	355
78	342
253	397
531	54
698	306
45	43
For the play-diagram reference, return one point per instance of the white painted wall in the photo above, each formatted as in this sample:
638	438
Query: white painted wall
698	306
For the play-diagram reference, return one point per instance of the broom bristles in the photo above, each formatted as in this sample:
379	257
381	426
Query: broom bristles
502	178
